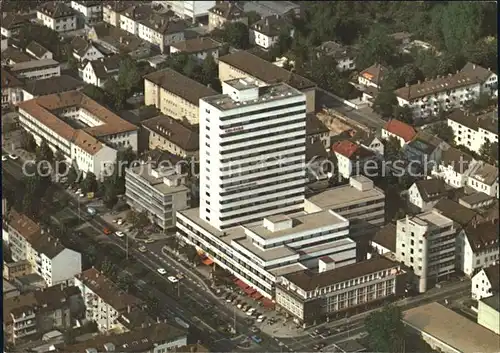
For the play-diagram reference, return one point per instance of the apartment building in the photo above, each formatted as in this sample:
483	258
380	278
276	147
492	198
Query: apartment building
403	132
175	95
455	167
46	255
161	31
98	72
84	131
265	32
225	12
430	97
343	55
242	64
91	11
424	152
30	315
173	136
473	130
36	69
486	282
360	202
190	9
425	194
11	88
104	301
57	16
160	192
152	338
197	48
354	159
426	243
333	292
477	247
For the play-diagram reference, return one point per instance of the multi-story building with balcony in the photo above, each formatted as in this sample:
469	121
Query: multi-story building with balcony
333	292
57	16
161	192
104	301
426	243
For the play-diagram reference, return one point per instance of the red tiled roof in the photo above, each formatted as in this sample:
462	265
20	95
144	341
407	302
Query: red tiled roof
350	150
403	130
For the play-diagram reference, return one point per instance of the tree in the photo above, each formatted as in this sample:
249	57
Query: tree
28	142
110	197
108	268
252	17
404	114
45	153
115	93
128	76
236	34
89	184
384	103
489	152
60	162
443	131
376	47
482	102
392	149
210	73
73	176
385	330
282	45
192	69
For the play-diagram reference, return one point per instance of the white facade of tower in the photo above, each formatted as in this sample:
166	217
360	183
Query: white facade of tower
252	153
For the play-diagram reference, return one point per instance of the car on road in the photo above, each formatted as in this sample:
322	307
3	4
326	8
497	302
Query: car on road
120	234
107	231
13	156
173	279
149	241
319	346
161	271
325	334
4	157
261	318
142	249
256	339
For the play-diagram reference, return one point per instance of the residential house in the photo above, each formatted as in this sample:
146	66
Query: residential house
132	15
317	131
265	32
119	41
91	11
160	192
98	72
310	296
430	97
84	50
486	282
461	215
372	76
374	144
477	200
58	84
484	179
11	88
57	16
354	159
198	48
104	301
424	152
30	315
486	77
384	240
426	243
175	95
12	56
343	55
474	130
225	12
403	132
477	247
190	9
111	11
425	194
38	51
152	338
455	167
242	64
161	31
12	22
37	69
173	136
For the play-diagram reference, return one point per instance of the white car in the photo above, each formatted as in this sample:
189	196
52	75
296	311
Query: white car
119	221
161	271
78	191
172	279
81	194
13	156
120	234
4	158
260	318
250	311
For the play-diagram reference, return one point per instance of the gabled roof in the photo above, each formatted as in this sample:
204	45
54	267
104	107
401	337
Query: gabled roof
228	10
478	72
196	45
456	212
432	189
493	274
386	237
13	20
486	173
9	80
164	25
106	67
186	137
270	26
16	56
483	236
351	150
80	45
37	49
335	50
460	161
486	120
56	9
374	73
51	85
25	226
400	129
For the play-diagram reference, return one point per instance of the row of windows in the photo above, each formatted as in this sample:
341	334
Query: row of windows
265	193
269	143
261	161
297	203
271	134
258	186
258	170
256	154
265	119
258	203
260	111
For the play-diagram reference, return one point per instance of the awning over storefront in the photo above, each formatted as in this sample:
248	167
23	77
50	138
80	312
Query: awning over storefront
257	296
241	284
250	291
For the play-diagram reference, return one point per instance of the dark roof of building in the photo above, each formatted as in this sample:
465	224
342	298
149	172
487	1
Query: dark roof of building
493	301
335	50
386	237
314	125
493	274
315	150
432	189
265	70
228	10
460	161
456	212
9	80
184	136
15	55
80	45
483	236
164	25
308	280
476	198
486	173
374	73
478	72
180	85
52	85
56	9
24	225
139	340
425	143
106	67
400	129
118	38
37	49
196	45
47	245
486	120
13	20
270	26
89	3
138	12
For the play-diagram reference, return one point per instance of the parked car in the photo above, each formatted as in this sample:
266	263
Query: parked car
142	249
13	156
161	271
120	234
4	157
107	231
173	279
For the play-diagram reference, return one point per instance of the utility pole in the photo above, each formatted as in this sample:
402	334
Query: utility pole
234	324
126	246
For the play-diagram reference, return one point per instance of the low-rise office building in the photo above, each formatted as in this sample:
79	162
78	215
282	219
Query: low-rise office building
37	69
360	202
332	292
190	9
160	192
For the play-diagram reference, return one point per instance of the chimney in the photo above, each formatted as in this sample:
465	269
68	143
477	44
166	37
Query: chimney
267	22
158	319
121	40
62	286
458	71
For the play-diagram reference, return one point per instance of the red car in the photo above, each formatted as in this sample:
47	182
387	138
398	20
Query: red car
107	231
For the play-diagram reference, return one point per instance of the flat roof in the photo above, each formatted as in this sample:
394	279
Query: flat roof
34	64
452	329
268	254
432	217
330	245
344	195
301	222
281	271
266	94
493	301
144	172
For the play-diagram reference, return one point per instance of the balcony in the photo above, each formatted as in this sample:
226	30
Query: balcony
24	317
23	333
24	324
